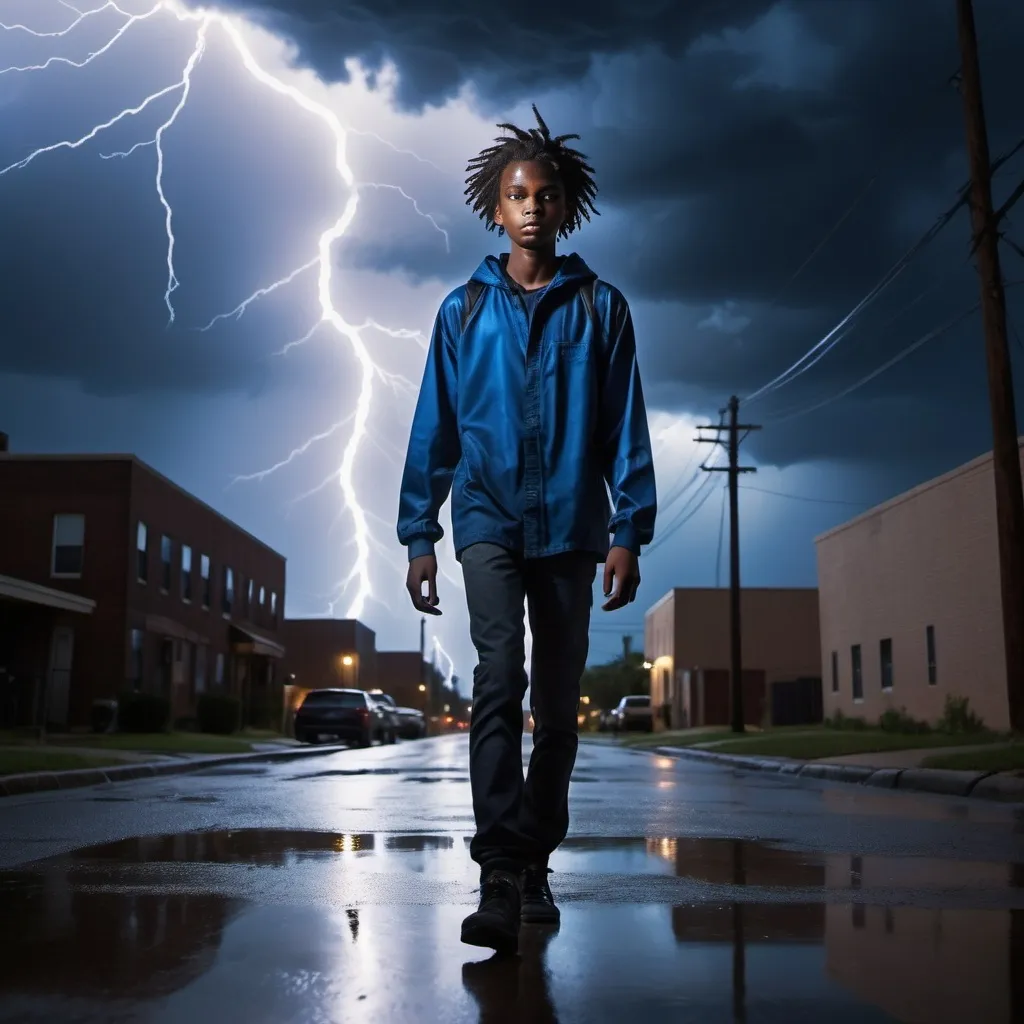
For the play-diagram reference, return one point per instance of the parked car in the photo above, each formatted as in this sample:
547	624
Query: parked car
633	713
606	720
349	715
410	723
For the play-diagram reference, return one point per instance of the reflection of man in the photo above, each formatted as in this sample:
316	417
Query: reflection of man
508	990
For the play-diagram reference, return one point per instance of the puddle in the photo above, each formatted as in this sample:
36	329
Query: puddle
69	956
361	927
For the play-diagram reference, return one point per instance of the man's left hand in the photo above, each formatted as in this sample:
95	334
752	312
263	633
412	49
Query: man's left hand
621	568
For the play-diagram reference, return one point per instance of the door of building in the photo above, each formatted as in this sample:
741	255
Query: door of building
58	675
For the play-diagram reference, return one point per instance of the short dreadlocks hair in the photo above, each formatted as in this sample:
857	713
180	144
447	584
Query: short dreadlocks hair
485	173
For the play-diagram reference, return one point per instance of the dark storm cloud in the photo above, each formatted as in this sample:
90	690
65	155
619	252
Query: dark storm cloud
507	51
729	139
725	165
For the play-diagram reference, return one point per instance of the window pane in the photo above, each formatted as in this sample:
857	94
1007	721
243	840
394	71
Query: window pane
69	530
67	560
140	537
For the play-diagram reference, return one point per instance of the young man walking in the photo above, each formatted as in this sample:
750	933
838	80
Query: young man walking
530	405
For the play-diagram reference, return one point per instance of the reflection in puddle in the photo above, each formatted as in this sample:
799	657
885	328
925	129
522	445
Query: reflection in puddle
85	932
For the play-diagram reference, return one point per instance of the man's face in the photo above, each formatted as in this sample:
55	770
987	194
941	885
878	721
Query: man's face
531	204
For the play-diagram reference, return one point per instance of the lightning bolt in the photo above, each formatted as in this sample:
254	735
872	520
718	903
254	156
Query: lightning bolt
205	19
440	652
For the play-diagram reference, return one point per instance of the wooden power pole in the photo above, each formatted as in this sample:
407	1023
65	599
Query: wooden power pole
732	443
1005	448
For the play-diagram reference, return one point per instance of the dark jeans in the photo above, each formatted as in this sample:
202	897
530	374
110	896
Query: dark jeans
521	822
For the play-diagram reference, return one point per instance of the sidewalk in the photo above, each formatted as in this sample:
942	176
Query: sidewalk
904	758
896	769
141	765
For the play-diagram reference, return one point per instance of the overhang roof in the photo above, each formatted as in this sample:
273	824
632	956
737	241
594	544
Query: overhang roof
35	593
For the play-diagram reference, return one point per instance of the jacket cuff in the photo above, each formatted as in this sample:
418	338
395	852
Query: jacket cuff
420	546
625	536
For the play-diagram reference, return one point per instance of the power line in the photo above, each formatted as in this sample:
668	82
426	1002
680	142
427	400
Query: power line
800	497
888	365
693	506
837	333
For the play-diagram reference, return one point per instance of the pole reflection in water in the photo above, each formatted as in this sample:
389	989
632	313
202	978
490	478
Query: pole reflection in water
739	949
510	989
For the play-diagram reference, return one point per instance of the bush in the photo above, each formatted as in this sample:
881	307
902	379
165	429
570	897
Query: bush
959	718
892	720
219	713
142	712
849	722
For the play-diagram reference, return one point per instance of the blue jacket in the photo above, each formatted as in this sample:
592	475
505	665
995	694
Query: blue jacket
524	418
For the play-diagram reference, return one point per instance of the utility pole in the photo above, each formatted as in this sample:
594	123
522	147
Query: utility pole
732	443
423	663
627	648
1005	448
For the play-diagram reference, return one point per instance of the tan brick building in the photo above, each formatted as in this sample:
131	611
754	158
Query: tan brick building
910	604
112	577
686	640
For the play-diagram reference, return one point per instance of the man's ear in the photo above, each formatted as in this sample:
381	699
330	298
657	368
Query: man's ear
497	217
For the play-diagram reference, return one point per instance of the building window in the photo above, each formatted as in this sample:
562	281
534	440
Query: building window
186	573
204	572
68	545
858	679
248	593
135	664
165	564
929	636
201	658
218	675
263	596
835	671
273	605
227	596
885	660
141	553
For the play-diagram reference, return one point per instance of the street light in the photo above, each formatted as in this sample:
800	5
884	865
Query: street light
648	665
423	688
584	700
347	660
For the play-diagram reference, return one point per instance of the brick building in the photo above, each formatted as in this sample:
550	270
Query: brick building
327	652
911	610
112	578
406	677
687	643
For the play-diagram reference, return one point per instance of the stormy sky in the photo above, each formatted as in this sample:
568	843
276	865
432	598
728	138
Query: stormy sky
762	167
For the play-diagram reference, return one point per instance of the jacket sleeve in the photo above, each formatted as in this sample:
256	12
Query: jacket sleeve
628	460
434	449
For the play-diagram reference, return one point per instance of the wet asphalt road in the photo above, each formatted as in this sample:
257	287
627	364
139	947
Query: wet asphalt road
330	889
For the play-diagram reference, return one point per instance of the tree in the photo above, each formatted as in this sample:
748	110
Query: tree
607	684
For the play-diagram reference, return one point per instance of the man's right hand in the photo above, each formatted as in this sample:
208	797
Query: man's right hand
423	570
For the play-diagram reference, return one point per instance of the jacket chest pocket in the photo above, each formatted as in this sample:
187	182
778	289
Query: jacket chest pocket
571	352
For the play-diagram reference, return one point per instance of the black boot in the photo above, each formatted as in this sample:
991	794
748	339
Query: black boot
495	923
538	903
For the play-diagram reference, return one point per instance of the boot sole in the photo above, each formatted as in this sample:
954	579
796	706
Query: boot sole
490	936
540	915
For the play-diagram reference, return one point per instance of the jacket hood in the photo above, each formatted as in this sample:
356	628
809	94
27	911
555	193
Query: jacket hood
492	272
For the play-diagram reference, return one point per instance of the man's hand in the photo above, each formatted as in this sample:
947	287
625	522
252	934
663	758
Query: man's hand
623	568
423	570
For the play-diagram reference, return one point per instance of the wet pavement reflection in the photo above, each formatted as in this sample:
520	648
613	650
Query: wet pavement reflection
283	926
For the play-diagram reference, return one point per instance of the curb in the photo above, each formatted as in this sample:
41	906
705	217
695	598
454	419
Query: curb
999	786
42	782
